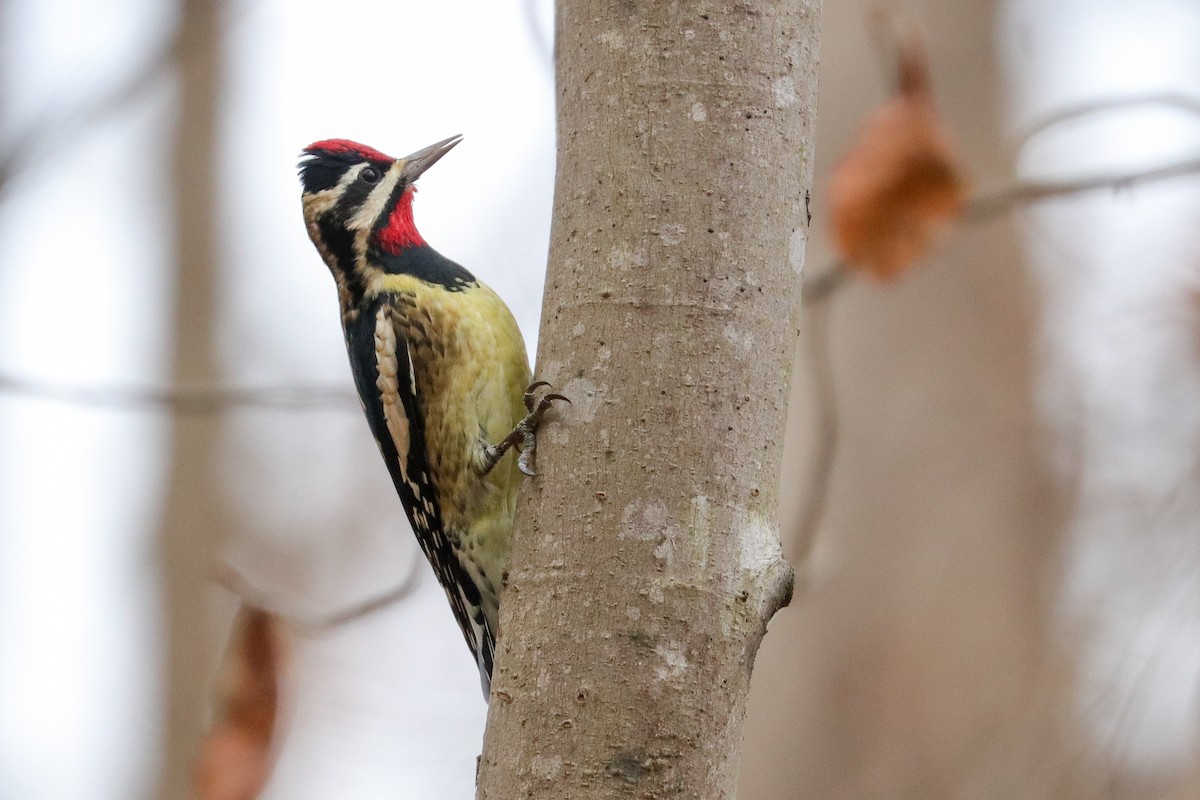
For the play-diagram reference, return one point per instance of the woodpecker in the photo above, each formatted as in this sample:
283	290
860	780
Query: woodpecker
440	367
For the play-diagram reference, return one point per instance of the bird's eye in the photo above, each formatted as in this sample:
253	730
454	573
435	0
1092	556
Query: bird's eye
370	175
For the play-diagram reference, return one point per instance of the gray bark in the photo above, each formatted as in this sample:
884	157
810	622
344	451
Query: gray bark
646	558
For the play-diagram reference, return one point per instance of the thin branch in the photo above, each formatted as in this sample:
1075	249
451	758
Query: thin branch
1180	102
235	582
988	206
823	285
187	400
542	41
825	406
47	132
1022	193
886	30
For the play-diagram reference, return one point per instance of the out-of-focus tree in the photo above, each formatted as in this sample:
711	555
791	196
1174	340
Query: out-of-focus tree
927	658
194	522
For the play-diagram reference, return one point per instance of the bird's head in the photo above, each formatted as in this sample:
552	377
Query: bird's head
358	202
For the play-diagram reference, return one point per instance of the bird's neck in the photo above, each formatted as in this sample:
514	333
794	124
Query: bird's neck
400	233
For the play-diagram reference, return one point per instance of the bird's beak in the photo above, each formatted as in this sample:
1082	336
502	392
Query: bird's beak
416	164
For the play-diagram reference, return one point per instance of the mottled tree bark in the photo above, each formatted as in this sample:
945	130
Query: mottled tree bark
646	559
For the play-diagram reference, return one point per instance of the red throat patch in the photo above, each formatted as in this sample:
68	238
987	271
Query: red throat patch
400	233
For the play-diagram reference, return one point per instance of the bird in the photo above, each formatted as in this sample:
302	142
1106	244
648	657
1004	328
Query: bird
440	367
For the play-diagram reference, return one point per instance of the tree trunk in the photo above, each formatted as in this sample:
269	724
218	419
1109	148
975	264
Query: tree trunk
646	559
193	524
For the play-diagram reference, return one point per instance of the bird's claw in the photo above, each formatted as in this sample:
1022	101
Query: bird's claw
527	428
523	462
530	396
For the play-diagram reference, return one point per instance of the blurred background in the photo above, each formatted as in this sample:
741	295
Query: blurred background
1002	598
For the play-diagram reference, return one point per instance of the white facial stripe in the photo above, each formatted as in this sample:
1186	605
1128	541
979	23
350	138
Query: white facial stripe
373	206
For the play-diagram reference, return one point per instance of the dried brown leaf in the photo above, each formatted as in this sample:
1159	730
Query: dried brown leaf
236	757
901	185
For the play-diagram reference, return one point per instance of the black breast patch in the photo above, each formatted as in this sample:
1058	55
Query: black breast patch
425	263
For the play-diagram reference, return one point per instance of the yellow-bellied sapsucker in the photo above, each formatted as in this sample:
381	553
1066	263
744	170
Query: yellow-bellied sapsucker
440	368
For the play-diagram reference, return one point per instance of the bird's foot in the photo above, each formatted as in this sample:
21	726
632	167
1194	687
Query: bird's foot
525	433
527	428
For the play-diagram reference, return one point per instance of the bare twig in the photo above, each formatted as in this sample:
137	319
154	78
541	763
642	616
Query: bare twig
1179	102
187	400
227	576
825	284
886	29
542	41
825	407
47	132
988	206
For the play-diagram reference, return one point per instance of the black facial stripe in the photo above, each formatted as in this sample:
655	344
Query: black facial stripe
354	196
317	175
321	169
340	243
